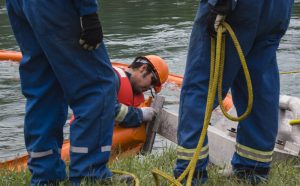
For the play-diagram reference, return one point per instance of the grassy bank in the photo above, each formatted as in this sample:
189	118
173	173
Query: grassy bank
285	173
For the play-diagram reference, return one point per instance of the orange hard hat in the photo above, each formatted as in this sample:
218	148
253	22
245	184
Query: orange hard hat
160	68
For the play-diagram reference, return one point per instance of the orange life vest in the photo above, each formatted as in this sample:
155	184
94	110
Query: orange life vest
125	93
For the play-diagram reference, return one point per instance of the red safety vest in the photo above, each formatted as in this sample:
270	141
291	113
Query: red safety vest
125	94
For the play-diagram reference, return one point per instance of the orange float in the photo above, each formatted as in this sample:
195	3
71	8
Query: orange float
6	55
125	140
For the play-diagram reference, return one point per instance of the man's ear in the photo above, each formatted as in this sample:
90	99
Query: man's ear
143	68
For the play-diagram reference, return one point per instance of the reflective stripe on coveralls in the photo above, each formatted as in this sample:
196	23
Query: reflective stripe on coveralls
122	113
86	150
253	154
79	149
40	154
187	154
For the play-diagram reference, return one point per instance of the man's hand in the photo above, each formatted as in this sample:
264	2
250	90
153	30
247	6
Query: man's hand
217	15
148	113
91	32
213	22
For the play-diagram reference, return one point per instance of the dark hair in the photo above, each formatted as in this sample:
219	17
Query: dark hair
140	61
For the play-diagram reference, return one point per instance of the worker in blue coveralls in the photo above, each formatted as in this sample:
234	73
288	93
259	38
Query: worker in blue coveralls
64	63
259	26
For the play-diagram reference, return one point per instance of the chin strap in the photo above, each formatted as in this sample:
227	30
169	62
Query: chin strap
153	95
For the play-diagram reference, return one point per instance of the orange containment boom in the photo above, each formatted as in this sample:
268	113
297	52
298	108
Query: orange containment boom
6	55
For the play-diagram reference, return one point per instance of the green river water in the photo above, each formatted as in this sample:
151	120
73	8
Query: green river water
132	28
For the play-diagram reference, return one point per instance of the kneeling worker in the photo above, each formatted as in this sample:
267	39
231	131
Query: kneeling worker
144	73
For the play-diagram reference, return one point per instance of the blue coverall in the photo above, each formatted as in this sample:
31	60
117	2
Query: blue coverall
56	72
259	26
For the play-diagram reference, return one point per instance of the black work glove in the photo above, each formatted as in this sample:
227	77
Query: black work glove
217	14
91	32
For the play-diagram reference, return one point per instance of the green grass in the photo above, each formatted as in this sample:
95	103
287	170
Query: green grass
284	173
13	179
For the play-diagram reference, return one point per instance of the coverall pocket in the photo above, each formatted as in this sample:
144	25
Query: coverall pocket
54	18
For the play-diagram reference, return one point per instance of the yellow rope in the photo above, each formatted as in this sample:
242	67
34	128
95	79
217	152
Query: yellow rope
290	72
247	76
215	82
156	172
136	180
295	122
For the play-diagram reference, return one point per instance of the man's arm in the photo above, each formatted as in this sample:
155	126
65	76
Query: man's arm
223	5
86	7
128	116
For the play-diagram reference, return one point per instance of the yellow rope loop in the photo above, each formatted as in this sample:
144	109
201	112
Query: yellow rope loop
136	180
295	122
246	72
156	172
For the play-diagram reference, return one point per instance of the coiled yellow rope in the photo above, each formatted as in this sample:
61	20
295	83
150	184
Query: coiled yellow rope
215	82
136	180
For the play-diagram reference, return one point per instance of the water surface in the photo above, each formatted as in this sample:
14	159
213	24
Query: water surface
132	28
